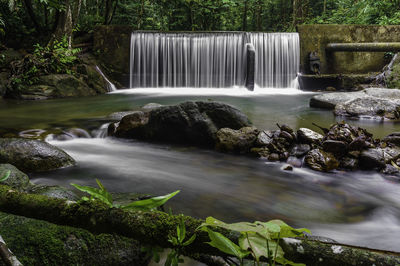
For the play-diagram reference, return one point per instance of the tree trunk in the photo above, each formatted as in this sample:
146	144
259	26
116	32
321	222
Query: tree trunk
153	228
31	13
67	20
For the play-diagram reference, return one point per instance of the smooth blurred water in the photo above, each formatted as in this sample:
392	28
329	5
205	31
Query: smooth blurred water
361	208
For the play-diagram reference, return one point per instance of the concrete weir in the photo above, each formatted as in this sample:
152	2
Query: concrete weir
348	53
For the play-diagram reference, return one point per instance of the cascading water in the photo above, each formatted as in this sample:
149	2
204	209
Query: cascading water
277	59
212	60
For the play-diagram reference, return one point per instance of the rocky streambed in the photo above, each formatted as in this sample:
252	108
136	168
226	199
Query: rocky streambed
226	129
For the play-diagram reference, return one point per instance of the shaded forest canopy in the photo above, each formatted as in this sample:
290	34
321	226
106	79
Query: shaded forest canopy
29	20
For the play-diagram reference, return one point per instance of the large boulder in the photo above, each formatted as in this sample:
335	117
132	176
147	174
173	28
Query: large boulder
17	179
194	123
236	141
321	161
33	155
36	242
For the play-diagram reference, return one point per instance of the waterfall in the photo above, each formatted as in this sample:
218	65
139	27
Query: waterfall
212	60
110	85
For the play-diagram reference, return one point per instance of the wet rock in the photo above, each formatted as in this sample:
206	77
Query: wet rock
262	152
294	161
358	144
330	100
283	156
349	163
132	125
308	136
378	157
285	128
273	157
390	170
17	179
194	123
299	150
321	161
370	107
236	141
287	136
336	147
265	138
33	155
287	167
393	138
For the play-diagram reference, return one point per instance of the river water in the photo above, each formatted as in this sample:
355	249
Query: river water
360	208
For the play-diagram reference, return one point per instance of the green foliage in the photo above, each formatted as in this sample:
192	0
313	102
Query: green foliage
174	257
261	239
5	176
57	58
104	196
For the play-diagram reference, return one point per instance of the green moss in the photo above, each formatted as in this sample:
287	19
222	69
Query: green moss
36	242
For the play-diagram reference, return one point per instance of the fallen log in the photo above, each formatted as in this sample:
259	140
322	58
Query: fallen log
153	228
364	47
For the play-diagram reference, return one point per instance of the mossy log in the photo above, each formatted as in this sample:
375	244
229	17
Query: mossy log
153	228
364	47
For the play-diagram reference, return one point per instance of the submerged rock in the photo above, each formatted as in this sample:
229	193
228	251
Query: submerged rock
193	123
17	179
33	155
321	161
236	141
299	150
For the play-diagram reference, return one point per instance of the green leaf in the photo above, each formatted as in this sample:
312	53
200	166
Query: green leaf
258	245
96	193
148	204
5	176
225	245
190	241
181	231
239	227
284	229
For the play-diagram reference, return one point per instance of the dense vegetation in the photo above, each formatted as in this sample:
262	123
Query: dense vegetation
21	20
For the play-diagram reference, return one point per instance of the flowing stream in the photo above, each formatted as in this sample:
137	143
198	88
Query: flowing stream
361	208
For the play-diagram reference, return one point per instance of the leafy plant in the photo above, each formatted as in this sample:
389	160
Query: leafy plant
261	239
5	176
178	242
104	196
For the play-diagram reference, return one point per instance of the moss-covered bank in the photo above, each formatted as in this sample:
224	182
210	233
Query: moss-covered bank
37	242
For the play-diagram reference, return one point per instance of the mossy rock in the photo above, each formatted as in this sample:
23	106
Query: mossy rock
53	192
17	179
33	155
36	242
